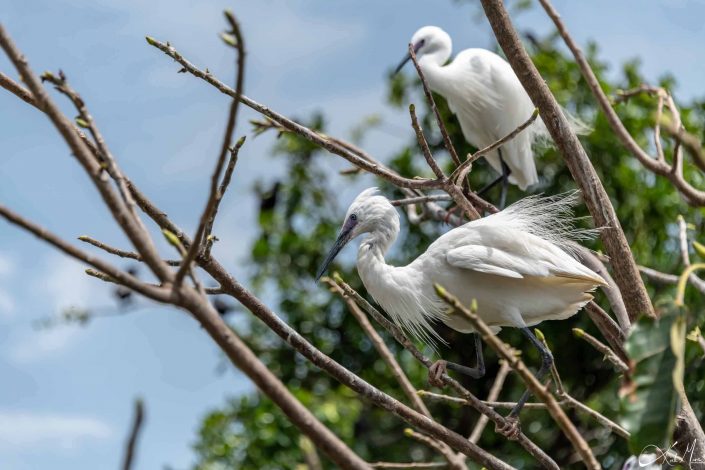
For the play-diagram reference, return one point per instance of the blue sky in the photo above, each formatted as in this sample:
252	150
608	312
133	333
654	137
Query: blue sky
66	395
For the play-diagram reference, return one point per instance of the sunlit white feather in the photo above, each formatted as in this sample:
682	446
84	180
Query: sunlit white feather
516	264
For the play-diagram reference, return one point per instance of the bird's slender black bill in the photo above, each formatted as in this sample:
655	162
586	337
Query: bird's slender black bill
407	57
343	239
401	65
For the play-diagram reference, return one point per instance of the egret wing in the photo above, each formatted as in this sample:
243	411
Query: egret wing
491	260
513	253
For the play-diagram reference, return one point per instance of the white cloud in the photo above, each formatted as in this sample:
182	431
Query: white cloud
27	429
36	345
64	285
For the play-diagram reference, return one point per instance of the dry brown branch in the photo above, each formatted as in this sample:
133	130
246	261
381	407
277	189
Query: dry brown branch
462	171
543	459
453	461
119	252
207	217
454	190
534	385
382	348
131	445
121	213
184	297
409	465
598	203
673	172
496	388
420	199
331	145
234	151
609	329
610	355
152	292
490	403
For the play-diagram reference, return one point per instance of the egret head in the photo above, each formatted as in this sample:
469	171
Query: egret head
429	41
370	212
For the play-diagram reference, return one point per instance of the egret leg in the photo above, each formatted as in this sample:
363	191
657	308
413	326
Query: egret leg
503	178
439	367
546	363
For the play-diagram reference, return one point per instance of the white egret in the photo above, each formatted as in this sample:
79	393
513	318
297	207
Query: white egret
516	264
485	94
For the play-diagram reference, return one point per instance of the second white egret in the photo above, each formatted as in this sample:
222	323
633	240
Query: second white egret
516	264
489	101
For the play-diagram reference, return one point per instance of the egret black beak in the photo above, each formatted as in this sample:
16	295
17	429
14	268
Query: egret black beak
343	238
407	57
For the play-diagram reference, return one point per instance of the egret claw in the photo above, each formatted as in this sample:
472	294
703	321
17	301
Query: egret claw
510	429
435	373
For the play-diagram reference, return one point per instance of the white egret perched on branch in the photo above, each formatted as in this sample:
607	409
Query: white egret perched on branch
485	94
516	264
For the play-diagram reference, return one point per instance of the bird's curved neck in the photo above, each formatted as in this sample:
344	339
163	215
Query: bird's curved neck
370	257
432	66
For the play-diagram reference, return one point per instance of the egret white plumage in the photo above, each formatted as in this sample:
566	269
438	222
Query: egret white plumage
516	264
485	94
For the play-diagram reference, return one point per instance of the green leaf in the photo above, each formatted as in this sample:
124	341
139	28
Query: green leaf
656	348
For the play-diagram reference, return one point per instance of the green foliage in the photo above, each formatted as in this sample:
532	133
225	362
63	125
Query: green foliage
650	399
299	217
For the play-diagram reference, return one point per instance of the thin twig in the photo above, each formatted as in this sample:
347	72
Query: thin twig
382	348
131	445
119	252
692	195
600	418
421	199
424	145
490	403
534	385
409	465
211	204
603	348
461	172
121	213
234	151
609	329
495	390
374	167
451	458
152	292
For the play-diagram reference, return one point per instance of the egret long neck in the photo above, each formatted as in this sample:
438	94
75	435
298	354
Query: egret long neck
373	269
435	72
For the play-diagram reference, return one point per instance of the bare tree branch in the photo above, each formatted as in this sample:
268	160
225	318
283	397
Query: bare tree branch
119	252
382	348
131	445
221	192
626	274
133	229
656	165
495	390
213	200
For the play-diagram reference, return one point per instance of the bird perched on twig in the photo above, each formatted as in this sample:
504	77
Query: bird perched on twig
517	265
489	101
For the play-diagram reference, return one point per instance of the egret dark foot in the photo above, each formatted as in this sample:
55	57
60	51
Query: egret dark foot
510	429
435	373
